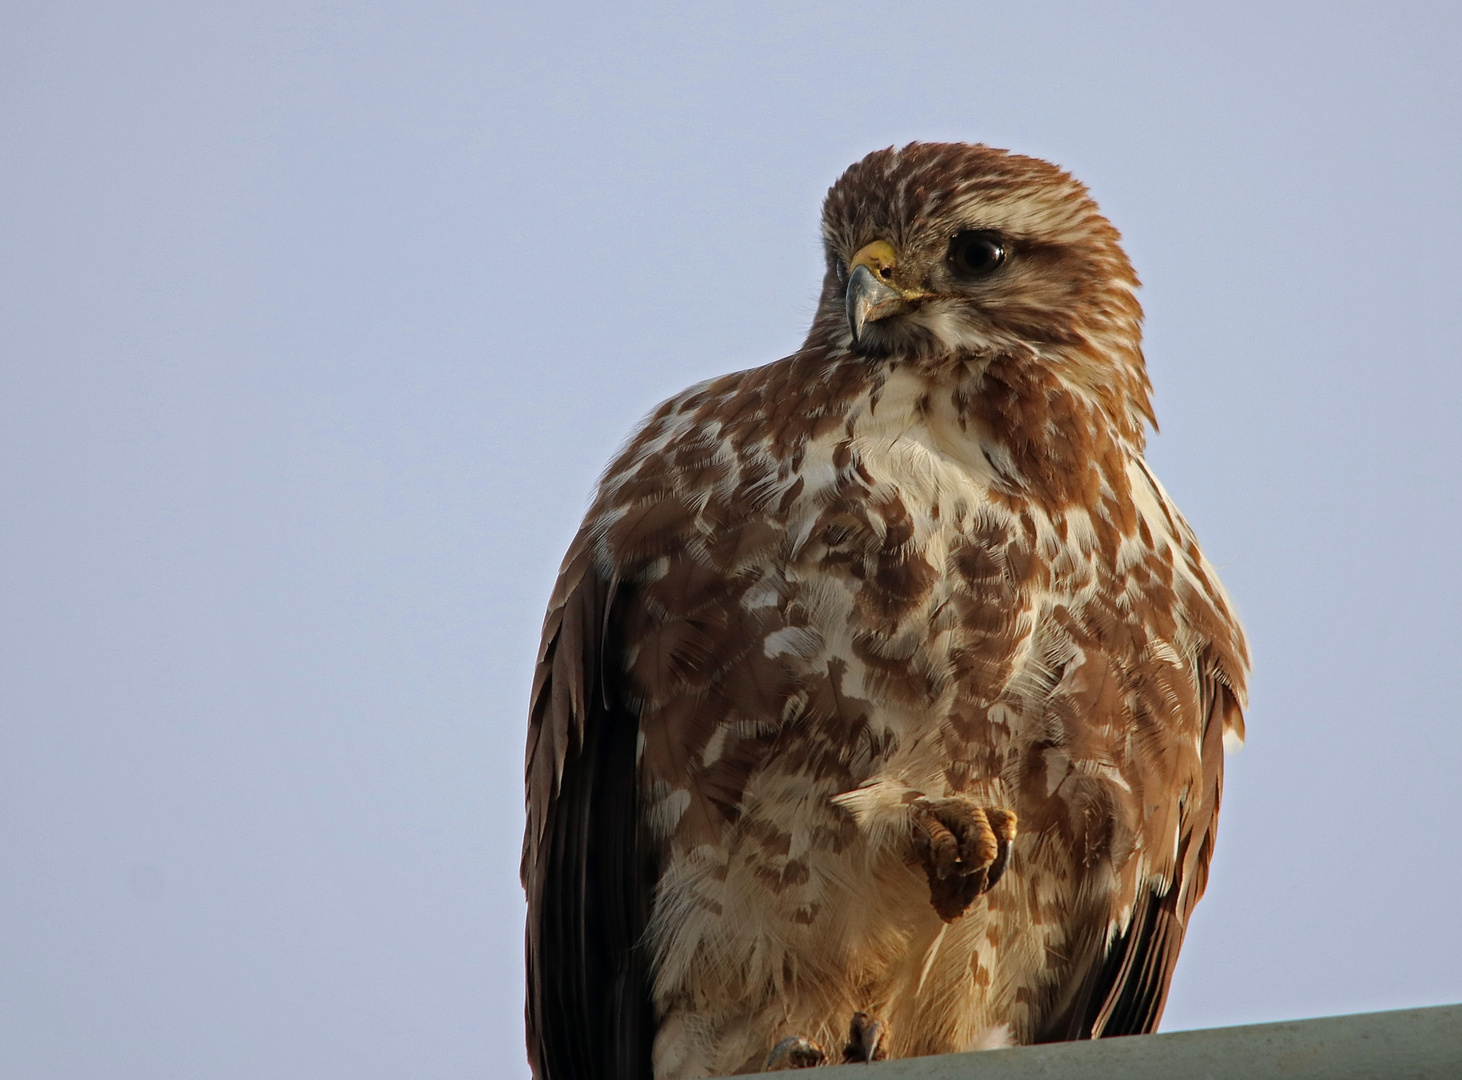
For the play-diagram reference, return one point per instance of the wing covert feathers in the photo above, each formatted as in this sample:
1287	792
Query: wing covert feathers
1131	966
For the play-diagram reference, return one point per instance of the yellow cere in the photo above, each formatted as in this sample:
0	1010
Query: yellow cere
878	256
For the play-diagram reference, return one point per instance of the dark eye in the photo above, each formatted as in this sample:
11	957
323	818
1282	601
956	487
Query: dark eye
976	252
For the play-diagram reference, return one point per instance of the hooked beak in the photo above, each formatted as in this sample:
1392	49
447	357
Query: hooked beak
870	297
870	300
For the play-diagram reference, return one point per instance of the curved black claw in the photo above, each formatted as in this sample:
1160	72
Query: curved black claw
867	1039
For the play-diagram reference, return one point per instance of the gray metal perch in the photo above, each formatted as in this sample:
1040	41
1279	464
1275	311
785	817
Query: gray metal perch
1407	1044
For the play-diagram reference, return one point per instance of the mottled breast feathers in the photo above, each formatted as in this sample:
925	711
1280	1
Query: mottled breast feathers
834	625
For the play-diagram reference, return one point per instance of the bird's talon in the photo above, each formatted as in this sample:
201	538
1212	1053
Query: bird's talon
867	1039
964	849
795	1052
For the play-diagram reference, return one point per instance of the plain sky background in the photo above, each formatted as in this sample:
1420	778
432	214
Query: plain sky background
318	322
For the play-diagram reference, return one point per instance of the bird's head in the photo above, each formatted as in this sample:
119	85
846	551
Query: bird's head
943	250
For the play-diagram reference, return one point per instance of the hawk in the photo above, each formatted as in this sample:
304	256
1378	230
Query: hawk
882	697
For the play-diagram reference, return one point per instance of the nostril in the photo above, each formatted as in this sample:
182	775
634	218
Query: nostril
886	273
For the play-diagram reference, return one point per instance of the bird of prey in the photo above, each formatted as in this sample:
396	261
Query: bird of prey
882	697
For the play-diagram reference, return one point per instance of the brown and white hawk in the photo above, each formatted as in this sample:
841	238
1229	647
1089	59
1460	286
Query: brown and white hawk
882	697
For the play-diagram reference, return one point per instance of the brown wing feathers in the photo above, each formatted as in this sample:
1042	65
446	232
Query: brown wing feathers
1126	986
588	1008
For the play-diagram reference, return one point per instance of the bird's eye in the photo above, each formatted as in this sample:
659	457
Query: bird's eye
840	268
976	252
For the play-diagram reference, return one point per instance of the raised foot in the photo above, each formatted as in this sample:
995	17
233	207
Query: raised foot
794	1052
964	849
867	1039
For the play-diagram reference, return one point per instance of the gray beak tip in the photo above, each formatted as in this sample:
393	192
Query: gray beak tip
869	299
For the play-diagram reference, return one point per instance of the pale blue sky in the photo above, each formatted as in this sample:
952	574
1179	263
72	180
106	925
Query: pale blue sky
320	320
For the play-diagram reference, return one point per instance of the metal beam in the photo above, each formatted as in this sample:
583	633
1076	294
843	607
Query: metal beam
1408	1044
